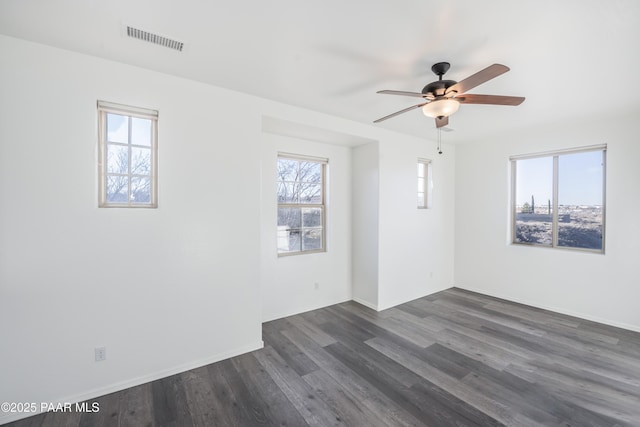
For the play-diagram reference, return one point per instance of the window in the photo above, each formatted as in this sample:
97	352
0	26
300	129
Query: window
128	156
558	199
301	204
424	184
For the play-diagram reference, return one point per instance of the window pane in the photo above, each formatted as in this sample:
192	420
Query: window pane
140	131
312	239
421	200
140	190
312	217
140	161
421	185
310	193
117	189
288	192
421	167
117	128
310	172
580	200
534	192
288	240
287	170
289	217
117	159
289	220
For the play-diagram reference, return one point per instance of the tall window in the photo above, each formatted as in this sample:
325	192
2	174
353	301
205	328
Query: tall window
128	156
424	184
559	199
301	204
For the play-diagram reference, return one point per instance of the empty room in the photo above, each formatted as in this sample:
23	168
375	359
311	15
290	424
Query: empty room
319	213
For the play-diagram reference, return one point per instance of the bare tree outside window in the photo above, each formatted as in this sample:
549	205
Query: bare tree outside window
301	205
128	151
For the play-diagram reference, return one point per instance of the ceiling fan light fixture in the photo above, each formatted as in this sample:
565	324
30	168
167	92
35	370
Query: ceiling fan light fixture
441	108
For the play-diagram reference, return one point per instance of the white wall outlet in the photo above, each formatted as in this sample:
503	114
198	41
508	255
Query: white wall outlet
101	353
316	286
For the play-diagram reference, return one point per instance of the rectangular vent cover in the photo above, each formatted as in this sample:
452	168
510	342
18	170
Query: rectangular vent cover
139	34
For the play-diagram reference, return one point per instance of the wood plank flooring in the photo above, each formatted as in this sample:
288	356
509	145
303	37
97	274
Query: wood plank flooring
455	358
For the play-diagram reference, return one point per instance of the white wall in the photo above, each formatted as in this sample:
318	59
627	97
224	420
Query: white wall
592	286
365	223
154	286
416	246
288	283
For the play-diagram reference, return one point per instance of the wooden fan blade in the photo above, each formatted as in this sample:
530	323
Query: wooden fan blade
400	92
478	78
413	107
489	99
442	121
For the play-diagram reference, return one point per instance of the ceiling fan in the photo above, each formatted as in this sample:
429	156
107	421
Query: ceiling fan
443	97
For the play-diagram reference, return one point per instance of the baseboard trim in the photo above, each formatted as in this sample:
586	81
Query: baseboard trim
366	303
111	388
554	309
412	298
296	312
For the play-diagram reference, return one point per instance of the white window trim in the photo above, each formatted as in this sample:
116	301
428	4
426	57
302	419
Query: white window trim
108	107
324	162
554	217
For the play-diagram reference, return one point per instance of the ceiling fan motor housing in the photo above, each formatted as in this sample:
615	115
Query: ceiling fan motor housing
438	88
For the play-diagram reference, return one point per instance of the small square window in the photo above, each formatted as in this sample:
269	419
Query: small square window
128	140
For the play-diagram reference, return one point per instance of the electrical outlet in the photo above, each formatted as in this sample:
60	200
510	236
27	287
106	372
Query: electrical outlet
101	353
316	286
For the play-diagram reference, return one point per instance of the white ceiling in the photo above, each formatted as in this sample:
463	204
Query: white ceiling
570	58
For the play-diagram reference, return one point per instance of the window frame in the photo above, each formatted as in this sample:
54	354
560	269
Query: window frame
130	112
427	181
555	186
324	162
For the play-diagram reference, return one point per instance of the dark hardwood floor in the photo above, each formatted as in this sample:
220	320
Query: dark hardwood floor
455	358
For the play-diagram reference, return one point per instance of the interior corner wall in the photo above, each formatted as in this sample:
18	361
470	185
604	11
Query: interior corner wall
297	283
600	287
415	245
163	289
365	223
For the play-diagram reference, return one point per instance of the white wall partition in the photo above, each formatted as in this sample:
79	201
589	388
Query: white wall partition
365	223
415	245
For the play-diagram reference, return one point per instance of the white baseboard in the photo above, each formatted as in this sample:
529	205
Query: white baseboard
397	302
366	303
111	388
304	310
560	310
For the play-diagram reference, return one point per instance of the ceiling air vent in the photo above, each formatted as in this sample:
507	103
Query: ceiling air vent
139	34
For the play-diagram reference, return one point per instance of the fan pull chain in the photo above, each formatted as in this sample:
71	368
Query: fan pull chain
439	141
